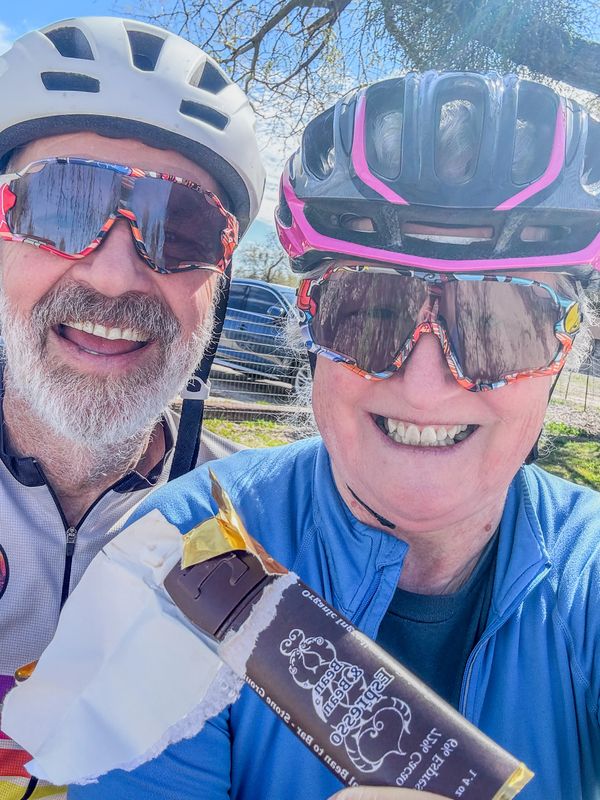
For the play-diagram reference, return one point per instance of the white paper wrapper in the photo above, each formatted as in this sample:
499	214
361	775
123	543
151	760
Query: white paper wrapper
126	673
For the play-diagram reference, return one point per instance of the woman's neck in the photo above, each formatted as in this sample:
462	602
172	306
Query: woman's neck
440	556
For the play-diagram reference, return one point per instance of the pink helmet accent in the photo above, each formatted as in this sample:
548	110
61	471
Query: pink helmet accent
359	158
555	165
300	237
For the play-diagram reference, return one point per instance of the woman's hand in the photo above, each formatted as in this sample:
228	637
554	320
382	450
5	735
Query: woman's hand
383	793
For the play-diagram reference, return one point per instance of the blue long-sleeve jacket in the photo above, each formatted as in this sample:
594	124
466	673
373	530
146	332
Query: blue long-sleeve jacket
532	682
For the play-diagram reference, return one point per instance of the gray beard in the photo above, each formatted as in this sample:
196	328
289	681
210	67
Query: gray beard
105	418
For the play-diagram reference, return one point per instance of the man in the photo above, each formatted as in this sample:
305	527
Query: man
129	162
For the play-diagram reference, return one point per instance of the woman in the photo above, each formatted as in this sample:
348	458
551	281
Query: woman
443	226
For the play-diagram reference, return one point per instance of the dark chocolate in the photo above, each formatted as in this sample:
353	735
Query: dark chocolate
217	595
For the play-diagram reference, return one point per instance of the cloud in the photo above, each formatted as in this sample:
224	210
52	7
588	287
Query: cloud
274	152
6	38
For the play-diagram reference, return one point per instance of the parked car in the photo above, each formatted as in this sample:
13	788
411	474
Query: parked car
253	339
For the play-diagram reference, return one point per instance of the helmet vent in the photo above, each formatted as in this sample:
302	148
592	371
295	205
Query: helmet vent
458	141
71	43
69	82
384	129
283	211
145	49
206	114
534	133
354	222
319	153
544	233
210	79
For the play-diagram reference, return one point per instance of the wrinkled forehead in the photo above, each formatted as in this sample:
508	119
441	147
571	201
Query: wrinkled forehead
120	151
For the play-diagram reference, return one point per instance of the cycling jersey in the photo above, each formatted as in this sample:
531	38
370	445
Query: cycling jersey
42	558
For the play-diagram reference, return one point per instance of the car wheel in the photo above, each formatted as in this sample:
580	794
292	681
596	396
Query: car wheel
302	379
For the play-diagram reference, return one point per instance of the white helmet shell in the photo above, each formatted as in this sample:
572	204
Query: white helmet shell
123	78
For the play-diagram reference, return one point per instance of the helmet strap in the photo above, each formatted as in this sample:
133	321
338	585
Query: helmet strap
187	445
382	520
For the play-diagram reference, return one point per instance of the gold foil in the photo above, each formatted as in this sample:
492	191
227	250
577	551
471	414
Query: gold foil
221	534
521	776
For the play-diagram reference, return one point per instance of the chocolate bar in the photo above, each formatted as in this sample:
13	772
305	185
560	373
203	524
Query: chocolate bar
364	715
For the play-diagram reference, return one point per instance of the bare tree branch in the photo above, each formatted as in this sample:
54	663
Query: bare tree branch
301	54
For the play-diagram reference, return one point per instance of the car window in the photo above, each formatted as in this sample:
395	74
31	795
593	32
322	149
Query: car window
289	295
259	300
237	296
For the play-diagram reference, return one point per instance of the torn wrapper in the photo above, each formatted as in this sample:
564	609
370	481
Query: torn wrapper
114	688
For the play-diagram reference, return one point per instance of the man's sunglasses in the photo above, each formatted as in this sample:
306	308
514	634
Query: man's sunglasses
493	329
68	205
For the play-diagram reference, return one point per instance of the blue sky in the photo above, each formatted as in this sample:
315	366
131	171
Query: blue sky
16	18
19	17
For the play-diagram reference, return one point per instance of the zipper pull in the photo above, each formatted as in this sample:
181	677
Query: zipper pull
71	534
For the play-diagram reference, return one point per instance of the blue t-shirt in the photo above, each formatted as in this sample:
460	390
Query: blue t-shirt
434	634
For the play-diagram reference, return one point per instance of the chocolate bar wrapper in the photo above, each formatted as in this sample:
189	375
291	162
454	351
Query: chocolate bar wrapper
365	716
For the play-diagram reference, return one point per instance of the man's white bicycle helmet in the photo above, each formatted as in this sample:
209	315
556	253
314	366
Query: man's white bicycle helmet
122	78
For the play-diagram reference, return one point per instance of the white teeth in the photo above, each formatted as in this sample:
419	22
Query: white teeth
428	436
107	333
412	435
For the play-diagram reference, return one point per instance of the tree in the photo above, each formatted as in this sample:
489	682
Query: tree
266	261
300	54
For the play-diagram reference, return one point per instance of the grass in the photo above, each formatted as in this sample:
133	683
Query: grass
572	453
251	433
566	450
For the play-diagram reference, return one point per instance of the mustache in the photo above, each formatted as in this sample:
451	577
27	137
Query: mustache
73	302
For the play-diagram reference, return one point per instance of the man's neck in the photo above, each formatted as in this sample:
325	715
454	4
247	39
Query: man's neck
77	474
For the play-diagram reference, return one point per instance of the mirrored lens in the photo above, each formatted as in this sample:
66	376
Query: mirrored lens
495	328
499	328
64	205
180	227
367	316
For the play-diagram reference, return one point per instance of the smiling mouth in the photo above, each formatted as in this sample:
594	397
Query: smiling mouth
100	340
408	433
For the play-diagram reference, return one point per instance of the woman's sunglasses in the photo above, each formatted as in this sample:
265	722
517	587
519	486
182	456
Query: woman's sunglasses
68	205
493	329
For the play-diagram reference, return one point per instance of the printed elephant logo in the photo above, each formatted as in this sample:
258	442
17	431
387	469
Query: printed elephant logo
371	743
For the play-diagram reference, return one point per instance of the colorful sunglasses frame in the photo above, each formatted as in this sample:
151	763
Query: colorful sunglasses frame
565	329
229	235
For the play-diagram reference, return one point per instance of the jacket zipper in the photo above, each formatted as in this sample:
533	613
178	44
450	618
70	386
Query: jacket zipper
71	532
466	682
71	536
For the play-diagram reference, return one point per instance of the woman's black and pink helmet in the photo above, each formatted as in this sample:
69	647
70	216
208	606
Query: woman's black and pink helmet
446	172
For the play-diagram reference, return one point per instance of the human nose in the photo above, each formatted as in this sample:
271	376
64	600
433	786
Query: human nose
114	267
425	376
